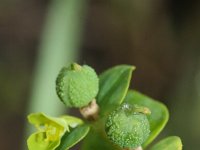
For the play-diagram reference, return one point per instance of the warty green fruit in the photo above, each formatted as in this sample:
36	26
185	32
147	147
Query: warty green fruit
128	126
77	85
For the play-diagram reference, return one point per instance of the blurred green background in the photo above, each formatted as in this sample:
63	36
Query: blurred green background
160	37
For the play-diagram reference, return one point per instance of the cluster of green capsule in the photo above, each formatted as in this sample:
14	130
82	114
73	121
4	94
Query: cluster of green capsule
77	85
127	126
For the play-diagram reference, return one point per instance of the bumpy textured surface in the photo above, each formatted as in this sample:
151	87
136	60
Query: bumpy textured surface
126	127
78	86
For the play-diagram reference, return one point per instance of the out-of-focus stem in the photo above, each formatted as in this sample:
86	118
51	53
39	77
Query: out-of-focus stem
59	45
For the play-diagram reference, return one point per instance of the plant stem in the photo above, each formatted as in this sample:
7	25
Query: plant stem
91	111
60	42
59	45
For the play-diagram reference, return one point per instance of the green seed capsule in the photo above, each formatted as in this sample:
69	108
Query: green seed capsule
77	85
128	126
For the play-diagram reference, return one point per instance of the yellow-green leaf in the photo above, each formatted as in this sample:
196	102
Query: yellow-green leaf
169	143
50	130
36	142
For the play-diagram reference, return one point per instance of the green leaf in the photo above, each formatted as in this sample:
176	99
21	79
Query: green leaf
114	85
71	138
169	143
97	141
159	113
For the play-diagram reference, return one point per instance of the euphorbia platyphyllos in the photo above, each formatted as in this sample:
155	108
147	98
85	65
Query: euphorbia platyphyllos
113	117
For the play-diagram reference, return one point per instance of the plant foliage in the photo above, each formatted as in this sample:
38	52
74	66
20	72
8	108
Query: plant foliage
64	132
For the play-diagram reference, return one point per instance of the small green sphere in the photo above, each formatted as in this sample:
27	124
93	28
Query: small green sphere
77	85
127	127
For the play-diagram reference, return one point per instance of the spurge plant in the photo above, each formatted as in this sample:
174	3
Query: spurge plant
114	117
